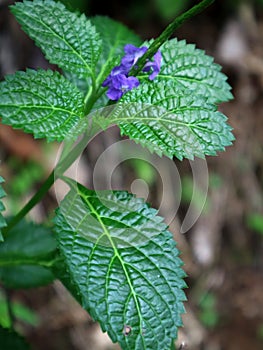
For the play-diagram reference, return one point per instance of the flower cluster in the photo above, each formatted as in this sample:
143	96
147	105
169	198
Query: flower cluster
119	80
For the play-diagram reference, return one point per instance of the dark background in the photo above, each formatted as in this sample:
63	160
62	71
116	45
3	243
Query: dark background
223	251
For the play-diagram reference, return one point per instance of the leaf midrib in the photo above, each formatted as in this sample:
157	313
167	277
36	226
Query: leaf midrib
116	254
138	119
60	38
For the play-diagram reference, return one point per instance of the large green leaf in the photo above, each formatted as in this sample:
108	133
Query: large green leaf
41	102
2	208
187	68
67	39
133	289
169	121
26	255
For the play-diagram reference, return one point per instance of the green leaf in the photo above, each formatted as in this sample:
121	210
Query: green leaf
25	276
187	68
11	340
2	208
41	102
133	288
26	255
67	39
170	121
20	311
255	222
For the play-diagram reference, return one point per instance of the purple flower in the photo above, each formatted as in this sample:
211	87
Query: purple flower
132	54
119	84
155	65
119	80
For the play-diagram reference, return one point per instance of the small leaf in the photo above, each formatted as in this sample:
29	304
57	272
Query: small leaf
25	256
187	68
2	208
134	290
67	39
170	121
41	102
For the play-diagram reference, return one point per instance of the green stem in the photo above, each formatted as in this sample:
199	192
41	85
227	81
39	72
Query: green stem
60	168
10	308
169	30
32	202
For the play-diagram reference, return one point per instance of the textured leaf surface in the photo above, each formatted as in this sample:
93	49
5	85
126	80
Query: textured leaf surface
134	291
40	102
187	68
67	39
2	208
25	255
170	121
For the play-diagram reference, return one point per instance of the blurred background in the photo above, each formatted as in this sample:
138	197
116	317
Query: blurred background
223	250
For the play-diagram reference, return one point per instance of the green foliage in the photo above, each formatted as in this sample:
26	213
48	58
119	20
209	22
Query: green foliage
67	39
115	254
208	313
199	199
2	208
176	115
25	176
144	170
255	222
24	262
40	102
20	312
189	69
11	340
260	332
169	121
124	279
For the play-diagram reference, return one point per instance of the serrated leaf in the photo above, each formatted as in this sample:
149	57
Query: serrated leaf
170	121
41	102
133	290
25	256
187	68
2	208
67	39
